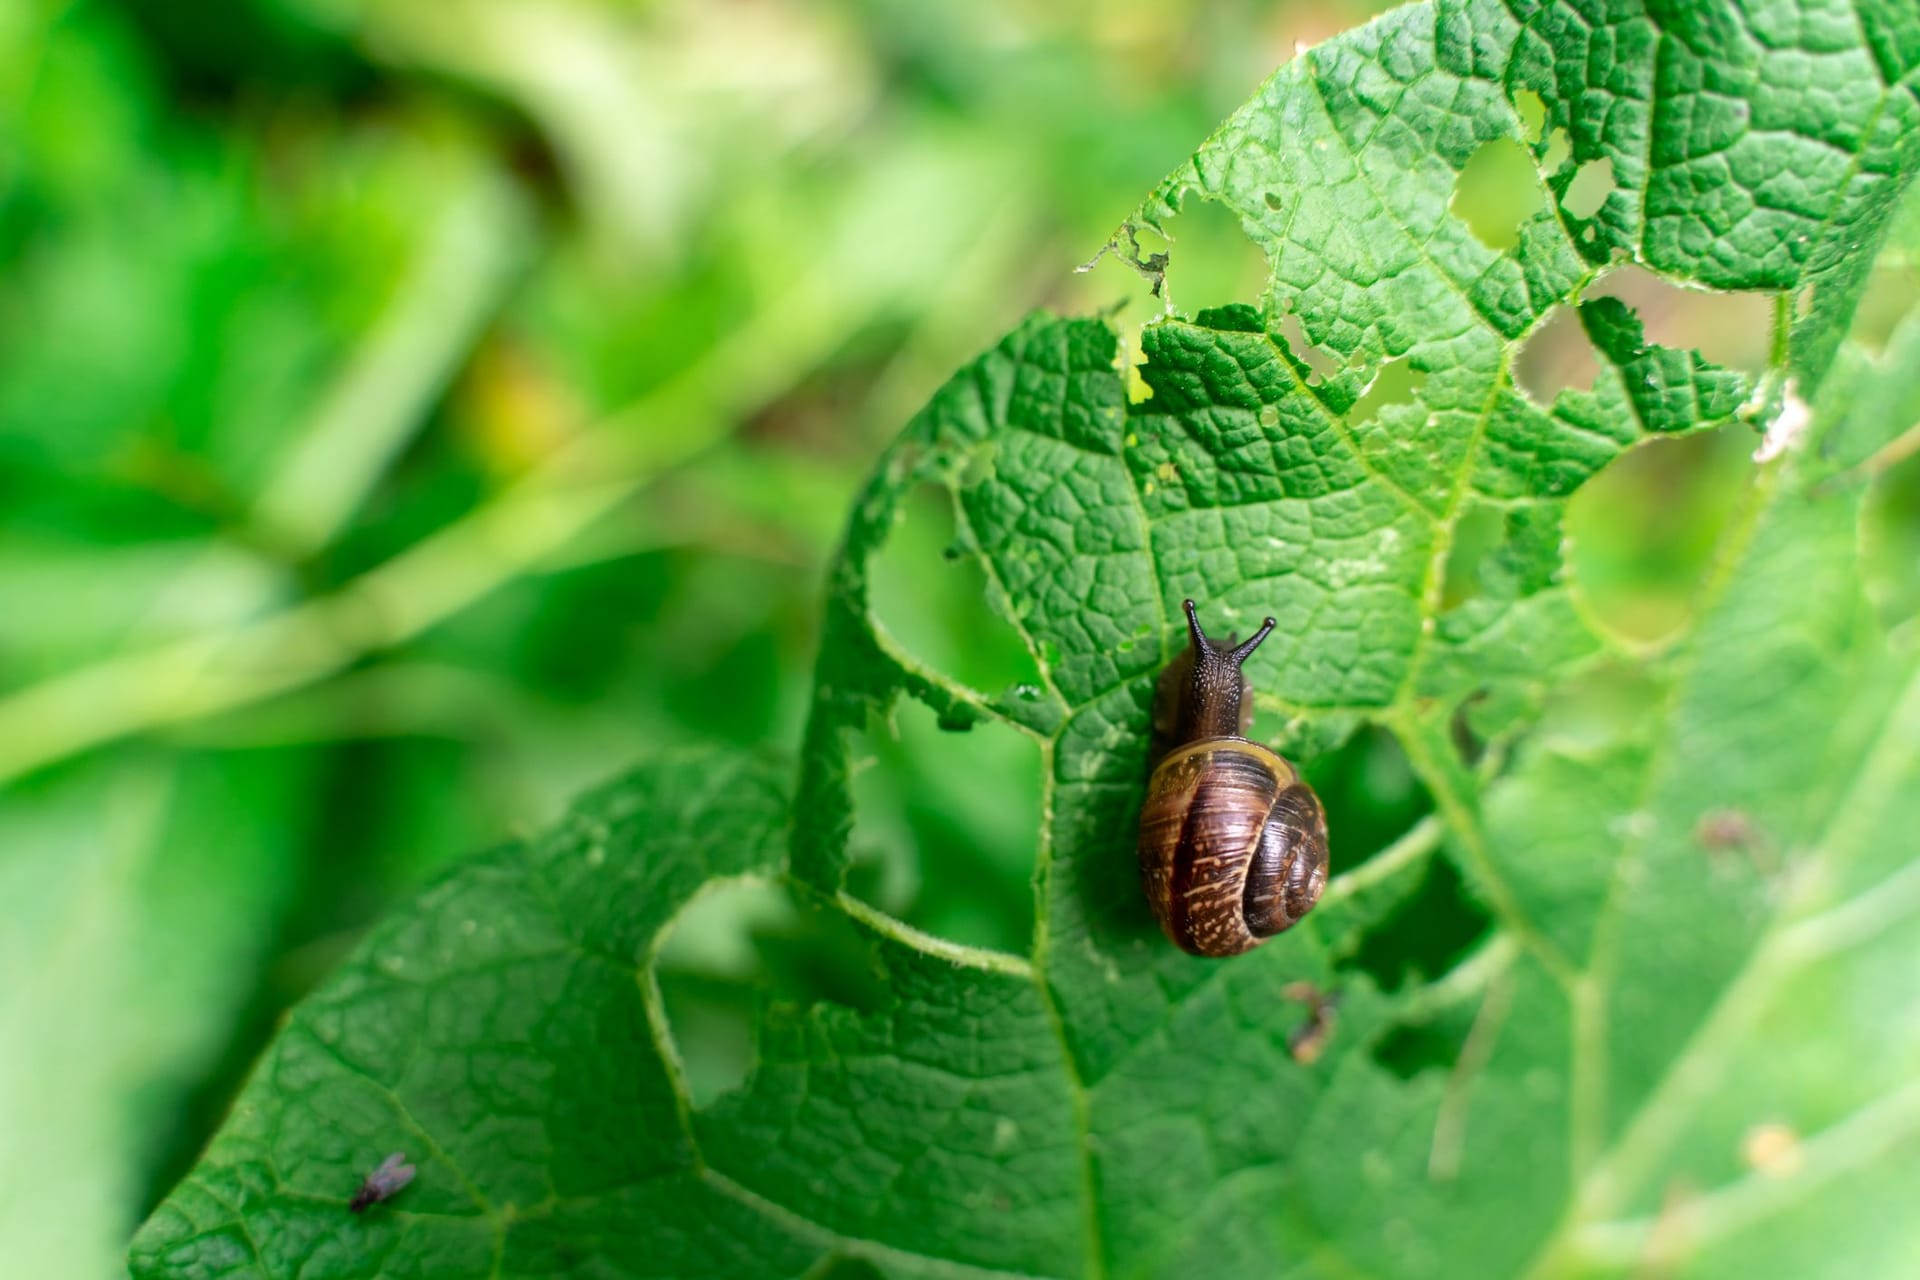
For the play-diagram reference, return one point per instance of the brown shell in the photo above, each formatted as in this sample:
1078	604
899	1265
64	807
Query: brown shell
1233	846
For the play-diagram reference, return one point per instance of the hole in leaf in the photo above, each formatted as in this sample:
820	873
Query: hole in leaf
945	827
1803	302
1126	281
1557	356
1497	191
1479	530
737	945
929	589
1370	793
1214	263
1643	530
1589	189
1532	112
1558	149
1397	383
1411	1048
711	1022
1733	330
1321	364
1426	934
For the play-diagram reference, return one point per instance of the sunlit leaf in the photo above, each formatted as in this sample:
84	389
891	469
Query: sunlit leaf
1666	1018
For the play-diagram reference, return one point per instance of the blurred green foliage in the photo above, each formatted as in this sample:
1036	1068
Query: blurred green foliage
413	410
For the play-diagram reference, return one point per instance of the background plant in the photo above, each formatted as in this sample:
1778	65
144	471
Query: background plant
1512	630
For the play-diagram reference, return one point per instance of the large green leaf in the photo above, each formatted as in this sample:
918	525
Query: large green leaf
1684	1036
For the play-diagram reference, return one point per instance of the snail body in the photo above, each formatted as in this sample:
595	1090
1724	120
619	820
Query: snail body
1233	845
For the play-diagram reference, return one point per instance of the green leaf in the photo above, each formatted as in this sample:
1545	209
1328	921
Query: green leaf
1674	1027
505	1033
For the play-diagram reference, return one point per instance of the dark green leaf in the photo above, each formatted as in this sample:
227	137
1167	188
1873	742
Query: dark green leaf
1668	1045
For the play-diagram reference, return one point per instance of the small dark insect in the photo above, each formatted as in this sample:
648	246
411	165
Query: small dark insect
383	1183
1722	829
1730	833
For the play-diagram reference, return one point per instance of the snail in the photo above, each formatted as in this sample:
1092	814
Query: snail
1233	845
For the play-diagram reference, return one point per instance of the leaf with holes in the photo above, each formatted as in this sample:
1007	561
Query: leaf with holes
1668	1023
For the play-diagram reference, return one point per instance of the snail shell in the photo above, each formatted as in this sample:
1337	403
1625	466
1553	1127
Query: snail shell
1233	845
